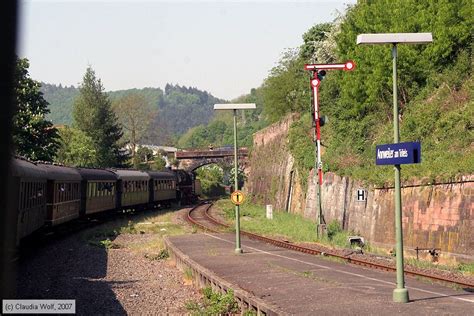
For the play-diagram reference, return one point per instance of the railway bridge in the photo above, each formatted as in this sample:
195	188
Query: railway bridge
191	160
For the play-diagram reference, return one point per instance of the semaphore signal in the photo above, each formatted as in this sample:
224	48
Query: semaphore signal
318	74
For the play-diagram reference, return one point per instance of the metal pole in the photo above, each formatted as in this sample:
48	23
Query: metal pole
318	162
238	249
400	294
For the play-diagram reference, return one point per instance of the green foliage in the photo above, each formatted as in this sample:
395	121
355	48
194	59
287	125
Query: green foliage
290	226
313	38
93	115
159	163
220	131
434	88
60	101
333	228
301	146
75	148
286	88
33	136
162	255
211	177
134	115
215	303
180	108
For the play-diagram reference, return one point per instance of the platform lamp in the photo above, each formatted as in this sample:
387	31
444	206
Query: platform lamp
400	294
234	107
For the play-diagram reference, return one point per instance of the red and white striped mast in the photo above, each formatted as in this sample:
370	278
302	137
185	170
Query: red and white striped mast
318	72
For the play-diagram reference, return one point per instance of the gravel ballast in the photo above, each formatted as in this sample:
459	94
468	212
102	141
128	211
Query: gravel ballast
118	280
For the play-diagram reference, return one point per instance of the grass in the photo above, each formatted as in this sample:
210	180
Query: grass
284	225
464	268
214	303
155	225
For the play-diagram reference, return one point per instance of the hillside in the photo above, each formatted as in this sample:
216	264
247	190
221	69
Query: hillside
435	89
179	108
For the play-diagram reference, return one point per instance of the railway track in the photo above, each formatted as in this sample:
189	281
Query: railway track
199	216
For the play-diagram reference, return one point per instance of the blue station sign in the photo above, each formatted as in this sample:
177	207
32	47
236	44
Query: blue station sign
398	154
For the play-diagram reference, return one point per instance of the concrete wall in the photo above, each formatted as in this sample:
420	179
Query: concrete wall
435	215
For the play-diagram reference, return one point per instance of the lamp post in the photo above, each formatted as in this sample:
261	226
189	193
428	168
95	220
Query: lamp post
400	294
234	107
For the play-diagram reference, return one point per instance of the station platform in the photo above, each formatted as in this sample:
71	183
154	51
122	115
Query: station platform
276	281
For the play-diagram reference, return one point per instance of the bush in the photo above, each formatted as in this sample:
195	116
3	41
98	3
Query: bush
333	229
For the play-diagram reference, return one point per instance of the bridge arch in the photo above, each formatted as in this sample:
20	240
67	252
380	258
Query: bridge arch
191	160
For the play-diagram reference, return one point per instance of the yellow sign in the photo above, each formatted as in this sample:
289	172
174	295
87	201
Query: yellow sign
237	197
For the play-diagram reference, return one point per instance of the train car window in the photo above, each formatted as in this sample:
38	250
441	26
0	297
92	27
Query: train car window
37	196
61	192
33	194
30	188
76	185
22	188
40	194
67	191
25	195
56	192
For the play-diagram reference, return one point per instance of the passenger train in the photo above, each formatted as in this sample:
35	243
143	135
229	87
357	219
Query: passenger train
47	195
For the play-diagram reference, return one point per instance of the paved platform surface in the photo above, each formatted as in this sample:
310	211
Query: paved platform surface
302	284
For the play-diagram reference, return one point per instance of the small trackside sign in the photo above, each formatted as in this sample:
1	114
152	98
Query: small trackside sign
398	154
361	195
237	197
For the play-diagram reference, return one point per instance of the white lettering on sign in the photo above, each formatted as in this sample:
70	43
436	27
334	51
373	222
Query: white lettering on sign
384	154
403	153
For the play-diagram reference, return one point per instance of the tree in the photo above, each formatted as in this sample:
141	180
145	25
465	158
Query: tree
313	38
135	115
33	136
159	164
93	115
76	148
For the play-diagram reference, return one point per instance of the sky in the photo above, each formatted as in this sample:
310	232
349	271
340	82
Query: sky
223	47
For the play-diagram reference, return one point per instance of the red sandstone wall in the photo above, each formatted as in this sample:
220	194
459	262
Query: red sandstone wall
437	216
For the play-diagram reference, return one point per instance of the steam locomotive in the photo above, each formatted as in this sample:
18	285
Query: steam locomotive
49	195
